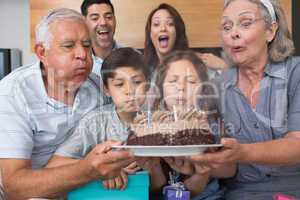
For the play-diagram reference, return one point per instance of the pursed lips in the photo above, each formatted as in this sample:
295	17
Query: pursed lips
181	100
131	100
237	49
81	67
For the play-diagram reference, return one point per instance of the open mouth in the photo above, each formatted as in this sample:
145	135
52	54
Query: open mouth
103	34
163	41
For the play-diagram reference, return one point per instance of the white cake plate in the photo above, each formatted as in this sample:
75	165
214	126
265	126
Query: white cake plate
166	151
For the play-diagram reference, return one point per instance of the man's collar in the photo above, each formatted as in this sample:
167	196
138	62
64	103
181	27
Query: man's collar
115	46
40	81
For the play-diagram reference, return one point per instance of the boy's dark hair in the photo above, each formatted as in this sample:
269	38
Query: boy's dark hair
87	3
123	57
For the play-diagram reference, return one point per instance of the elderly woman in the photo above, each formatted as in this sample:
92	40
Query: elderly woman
261	104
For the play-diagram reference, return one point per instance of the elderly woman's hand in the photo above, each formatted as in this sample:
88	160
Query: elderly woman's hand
181	164
212	61
231	152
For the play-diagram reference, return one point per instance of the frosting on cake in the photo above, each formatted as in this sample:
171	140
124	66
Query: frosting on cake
164	122
167	128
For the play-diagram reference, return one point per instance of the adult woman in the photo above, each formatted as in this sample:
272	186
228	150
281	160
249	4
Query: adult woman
261	107
164	32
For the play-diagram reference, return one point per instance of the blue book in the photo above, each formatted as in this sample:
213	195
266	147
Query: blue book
137	189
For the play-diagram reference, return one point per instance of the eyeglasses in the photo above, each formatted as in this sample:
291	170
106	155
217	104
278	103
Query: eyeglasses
243	24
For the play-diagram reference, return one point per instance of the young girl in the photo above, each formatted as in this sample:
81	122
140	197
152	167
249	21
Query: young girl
183	83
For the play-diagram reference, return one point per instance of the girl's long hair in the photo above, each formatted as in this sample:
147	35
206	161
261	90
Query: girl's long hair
208	95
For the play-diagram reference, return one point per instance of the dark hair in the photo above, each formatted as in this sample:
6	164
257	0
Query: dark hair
181	42
120	58
209	102
87	3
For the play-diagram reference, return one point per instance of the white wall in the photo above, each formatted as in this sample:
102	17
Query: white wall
15	27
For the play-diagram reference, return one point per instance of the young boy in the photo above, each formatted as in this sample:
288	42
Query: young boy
125	78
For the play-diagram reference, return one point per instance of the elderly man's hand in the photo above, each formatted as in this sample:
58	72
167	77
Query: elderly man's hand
103	163
231	152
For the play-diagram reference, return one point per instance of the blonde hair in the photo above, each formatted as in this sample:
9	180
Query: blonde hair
282	46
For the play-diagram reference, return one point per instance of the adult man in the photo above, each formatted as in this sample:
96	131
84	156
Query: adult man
101	21
41	103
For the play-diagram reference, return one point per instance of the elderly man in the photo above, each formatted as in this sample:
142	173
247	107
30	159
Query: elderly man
101	21
39	106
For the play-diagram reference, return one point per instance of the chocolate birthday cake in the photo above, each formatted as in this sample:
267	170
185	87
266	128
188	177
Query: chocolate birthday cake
190	128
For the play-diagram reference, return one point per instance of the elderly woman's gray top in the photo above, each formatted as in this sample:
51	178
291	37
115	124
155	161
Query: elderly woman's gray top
277	113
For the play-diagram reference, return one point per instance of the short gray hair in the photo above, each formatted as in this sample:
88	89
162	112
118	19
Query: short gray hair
282	46
42	32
